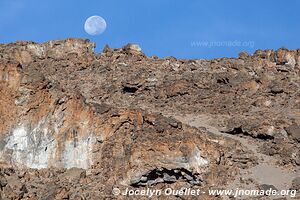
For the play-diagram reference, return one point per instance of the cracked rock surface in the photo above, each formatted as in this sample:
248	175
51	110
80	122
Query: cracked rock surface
75	124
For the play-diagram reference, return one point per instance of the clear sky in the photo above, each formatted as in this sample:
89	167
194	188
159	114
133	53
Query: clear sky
184	29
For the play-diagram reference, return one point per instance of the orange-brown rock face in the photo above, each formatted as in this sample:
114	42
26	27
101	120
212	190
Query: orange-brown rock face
75	125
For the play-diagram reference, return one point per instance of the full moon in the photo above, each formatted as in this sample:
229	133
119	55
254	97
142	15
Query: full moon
95	25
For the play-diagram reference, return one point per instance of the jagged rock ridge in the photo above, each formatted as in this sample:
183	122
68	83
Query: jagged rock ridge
83	123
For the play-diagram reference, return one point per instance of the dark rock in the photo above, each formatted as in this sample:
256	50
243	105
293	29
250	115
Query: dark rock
296	184
294	131
24	189
3	181
267	187
174	123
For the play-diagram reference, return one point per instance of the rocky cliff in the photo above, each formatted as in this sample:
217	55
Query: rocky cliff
75	124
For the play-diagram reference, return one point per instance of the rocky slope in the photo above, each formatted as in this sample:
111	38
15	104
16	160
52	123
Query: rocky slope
76	125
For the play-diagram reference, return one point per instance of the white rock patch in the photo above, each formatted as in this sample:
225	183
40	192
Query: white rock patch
77	154
196	160
39	149
32	149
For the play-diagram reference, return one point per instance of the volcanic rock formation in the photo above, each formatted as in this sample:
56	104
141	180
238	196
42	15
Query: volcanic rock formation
76	125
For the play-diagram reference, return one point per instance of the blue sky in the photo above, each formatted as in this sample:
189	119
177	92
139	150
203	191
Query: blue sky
184	29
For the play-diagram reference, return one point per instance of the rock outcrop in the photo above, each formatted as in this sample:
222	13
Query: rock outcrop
75	124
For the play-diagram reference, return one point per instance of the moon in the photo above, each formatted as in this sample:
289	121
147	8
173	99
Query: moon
95	25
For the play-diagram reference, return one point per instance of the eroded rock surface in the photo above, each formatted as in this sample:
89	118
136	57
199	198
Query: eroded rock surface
75	124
